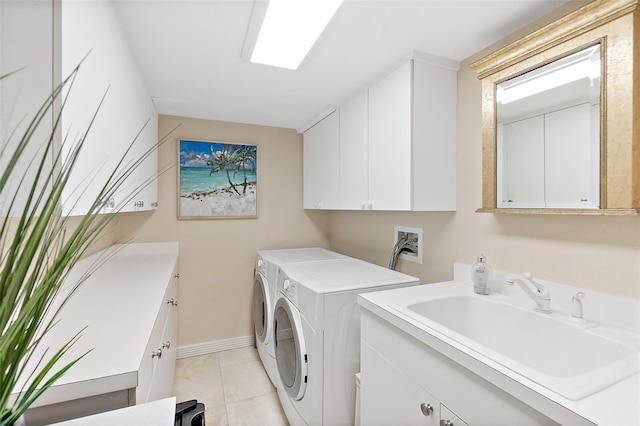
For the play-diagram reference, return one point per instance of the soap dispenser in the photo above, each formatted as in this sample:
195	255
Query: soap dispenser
481	276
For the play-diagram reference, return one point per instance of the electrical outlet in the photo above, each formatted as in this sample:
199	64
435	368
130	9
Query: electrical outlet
415	246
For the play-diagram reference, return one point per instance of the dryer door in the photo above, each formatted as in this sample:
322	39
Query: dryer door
291	353
261	309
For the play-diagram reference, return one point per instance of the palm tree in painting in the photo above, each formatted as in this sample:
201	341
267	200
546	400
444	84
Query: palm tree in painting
223	161
245	158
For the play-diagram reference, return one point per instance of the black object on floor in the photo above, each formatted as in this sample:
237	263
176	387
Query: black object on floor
189	413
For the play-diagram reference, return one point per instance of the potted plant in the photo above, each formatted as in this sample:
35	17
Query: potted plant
37	250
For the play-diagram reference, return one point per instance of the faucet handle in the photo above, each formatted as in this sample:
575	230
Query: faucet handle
576	305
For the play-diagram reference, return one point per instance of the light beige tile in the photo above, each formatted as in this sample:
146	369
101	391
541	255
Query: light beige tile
245	380
200	364
236	377
216	416
199	378
260	410
238	356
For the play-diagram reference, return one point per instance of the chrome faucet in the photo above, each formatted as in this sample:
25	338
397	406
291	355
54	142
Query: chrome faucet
541	296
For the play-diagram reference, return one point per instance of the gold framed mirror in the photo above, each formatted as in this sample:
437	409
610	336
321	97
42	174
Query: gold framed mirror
604	35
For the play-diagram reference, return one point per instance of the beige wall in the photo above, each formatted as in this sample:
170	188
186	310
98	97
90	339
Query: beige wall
217	256
599	253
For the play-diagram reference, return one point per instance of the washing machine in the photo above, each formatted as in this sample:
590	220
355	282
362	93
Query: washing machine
264	294
316	332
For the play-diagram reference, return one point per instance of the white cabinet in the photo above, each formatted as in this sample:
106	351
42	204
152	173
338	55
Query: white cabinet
354	154
129	307
390	140
320	152
412	137
397	142
91	35
390	397
26	48
155	377
399	374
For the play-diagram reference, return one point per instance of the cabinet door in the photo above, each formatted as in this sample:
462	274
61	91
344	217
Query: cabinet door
321	167
161	385
390	110
354	153
26	48
389	397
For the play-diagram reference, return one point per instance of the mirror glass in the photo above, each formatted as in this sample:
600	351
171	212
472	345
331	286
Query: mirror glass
548	135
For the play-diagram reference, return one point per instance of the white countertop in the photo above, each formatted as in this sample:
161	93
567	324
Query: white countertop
156	413
616	405
118	305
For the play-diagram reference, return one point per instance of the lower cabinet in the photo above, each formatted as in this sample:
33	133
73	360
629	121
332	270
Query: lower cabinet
388	396
406	382
155	377
132	354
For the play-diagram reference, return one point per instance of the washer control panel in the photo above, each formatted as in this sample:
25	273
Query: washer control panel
290	289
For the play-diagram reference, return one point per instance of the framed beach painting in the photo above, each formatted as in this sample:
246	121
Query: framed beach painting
217	180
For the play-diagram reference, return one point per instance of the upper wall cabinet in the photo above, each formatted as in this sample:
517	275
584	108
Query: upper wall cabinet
27	51
396	141
91	30
320	157
560	132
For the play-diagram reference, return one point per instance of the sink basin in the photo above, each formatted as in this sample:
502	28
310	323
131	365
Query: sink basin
570	359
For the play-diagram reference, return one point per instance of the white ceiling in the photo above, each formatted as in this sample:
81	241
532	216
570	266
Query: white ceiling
189	52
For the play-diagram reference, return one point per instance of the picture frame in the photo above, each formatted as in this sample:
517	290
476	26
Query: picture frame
217	180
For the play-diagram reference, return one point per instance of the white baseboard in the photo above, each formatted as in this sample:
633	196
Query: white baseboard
215	346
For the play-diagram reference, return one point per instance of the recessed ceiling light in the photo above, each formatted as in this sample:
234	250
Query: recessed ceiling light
289	30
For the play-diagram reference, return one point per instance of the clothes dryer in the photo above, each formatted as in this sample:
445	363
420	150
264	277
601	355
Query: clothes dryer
316	330
264	294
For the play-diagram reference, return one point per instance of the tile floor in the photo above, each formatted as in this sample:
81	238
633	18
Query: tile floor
233	386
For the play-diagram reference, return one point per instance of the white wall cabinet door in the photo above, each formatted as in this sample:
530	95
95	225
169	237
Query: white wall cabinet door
26	48
321	164
390	103
354	153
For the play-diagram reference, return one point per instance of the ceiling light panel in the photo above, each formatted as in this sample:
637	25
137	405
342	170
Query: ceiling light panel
289	30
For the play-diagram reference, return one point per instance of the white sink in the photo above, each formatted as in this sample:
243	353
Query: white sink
572	360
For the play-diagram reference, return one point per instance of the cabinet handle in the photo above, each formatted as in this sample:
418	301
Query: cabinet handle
446	423
157	354
178	275
426	409
166	345
138	204
172	302
154	204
